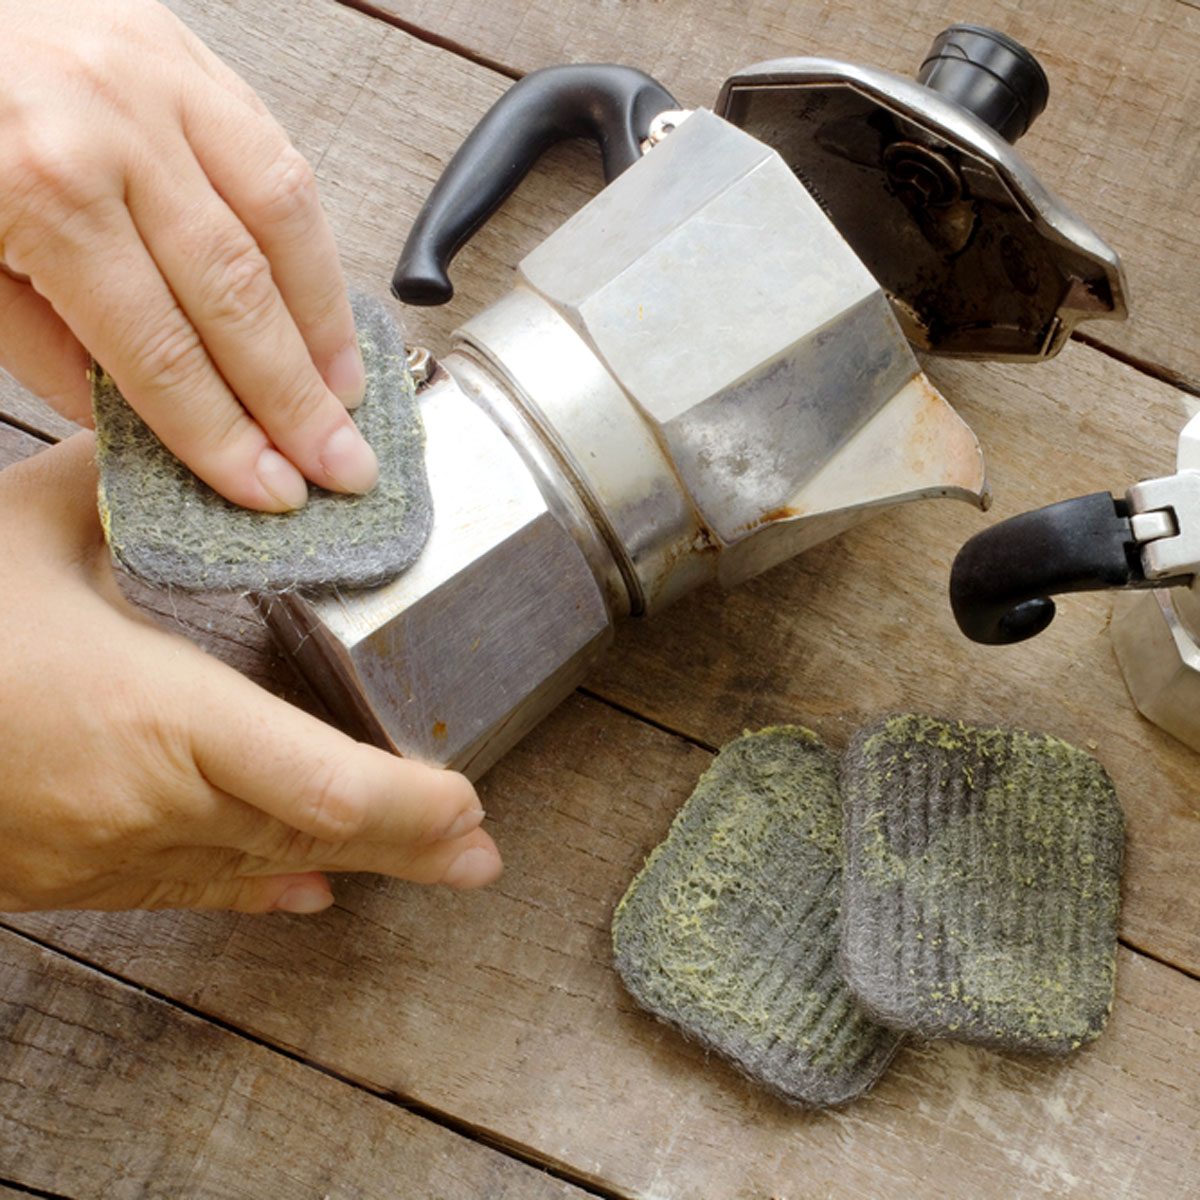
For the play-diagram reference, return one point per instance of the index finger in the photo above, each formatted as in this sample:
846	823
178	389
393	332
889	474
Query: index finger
270	187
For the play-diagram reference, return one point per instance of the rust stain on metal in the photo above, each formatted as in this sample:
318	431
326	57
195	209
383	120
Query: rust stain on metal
932	441
439	729
786	513
927	435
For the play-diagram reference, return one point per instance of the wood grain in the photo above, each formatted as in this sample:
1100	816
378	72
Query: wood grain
107	1092
503	1009
1118	140
855	628
861	626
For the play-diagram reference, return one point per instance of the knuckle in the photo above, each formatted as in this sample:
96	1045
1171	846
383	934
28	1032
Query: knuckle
459	790
331	807
454	795
239	287
162	894
249	898
296	400
280	846
46	175
172	353
442	810
289	189
244	896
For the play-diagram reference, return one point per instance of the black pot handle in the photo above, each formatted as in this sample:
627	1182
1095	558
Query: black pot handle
613	105
1003	578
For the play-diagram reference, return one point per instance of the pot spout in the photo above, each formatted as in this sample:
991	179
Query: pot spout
915	447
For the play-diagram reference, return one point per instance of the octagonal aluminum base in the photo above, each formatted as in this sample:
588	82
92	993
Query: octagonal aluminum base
1160	658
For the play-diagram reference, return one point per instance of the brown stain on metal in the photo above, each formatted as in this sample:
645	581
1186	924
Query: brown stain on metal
702	544
932	441
926	436
439	729
785	513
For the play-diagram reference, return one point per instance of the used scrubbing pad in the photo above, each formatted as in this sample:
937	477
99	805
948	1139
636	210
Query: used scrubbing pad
730	930
170	528
982	884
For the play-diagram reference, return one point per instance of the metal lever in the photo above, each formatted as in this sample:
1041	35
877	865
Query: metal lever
613	105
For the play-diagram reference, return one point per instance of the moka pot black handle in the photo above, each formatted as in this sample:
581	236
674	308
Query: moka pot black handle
612	105
1002	579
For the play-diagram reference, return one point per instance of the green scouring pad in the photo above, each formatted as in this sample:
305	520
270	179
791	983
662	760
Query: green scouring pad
172	529
982	884
730	930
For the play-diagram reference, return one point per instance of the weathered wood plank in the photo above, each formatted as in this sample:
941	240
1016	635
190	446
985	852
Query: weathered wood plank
21	408
1119	139
503	1008
853	629
1107	424
107	1092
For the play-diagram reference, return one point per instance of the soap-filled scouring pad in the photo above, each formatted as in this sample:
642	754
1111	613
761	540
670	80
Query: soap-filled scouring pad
730	930
982	884
171	529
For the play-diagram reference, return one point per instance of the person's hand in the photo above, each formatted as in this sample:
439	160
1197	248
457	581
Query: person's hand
152	211
138	772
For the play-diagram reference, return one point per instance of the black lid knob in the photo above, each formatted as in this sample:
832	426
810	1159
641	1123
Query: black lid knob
988	74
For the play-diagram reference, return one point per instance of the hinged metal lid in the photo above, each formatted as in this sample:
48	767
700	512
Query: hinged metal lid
978	258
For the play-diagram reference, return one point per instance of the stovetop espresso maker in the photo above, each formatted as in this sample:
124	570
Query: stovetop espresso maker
704	371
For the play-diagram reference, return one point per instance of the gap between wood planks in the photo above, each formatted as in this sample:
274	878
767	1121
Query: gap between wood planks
10	1186
517	1151
432	39
1153	370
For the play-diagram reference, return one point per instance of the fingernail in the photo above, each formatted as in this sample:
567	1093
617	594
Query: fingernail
281	479
349	462
465	823
472	868
346	377
303	898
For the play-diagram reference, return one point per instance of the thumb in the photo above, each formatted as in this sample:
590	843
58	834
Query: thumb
38	349
299	893
261	750
52	495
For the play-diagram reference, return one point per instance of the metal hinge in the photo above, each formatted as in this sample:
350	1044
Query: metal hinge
1165	516
663	125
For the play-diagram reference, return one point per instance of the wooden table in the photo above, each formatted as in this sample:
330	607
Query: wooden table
418	1043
